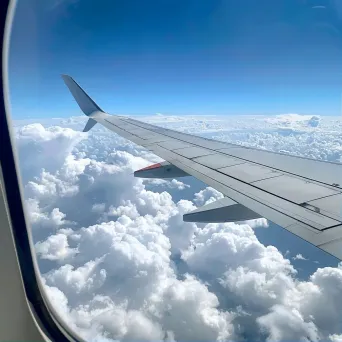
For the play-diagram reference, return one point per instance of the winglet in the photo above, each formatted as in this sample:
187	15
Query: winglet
87	105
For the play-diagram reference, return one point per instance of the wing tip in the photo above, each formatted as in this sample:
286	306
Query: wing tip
65	76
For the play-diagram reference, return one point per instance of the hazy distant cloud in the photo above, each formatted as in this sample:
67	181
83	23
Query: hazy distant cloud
54	4
295	120
299	257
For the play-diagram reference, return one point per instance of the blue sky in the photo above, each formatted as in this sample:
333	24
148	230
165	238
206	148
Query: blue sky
178	57
182	57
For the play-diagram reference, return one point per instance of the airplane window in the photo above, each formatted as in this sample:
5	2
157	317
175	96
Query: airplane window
181	165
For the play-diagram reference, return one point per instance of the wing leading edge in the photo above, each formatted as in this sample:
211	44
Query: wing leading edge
301	195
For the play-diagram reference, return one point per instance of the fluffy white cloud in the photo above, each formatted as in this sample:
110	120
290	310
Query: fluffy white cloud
207	195
120	264
262	283
173	184
335	338
132	269
44	148
55	247
287	325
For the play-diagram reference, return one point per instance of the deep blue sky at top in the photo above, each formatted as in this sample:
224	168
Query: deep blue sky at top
178	56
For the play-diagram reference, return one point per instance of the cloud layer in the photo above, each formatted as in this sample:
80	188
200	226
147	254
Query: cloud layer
119	263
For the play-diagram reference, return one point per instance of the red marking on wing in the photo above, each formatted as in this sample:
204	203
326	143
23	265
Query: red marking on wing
154	166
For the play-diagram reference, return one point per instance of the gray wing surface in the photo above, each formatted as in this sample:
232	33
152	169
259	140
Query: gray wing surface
301	195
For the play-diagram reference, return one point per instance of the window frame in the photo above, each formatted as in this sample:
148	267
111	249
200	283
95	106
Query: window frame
43	313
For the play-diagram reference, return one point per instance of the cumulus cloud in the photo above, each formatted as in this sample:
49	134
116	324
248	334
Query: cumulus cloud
44	148
119	263
287	325
173	184
55	247
207	195
335	338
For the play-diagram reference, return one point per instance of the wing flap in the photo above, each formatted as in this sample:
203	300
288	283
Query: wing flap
294	189
222	210
330	206
160	170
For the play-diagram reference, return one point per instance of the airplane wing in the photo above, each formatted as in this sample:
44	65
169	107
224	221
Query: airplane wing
299	194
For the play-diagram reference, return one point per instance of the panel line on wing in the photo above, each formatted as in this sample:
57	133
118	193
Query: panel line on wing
266	178
128	132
